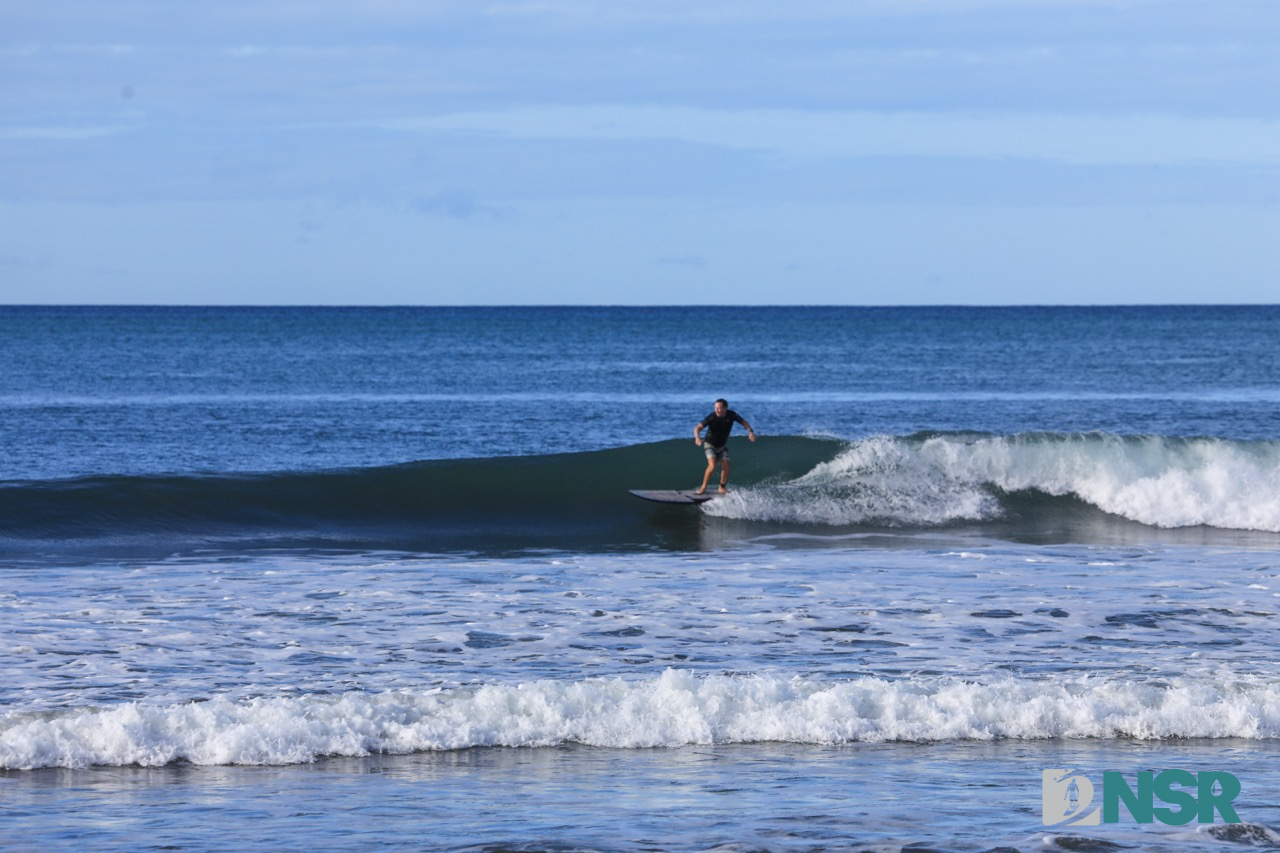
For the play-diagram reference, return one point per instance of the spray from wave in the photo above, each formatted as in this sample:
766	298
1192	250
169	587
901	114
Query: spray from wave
930	480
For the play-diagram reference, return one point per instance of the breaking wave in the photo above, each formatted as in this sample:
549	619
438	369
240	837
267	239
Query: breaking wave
1015	486
932	480
676	708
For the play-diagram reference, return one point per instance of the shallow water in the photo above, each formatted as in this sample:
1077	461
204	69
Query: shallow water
962	796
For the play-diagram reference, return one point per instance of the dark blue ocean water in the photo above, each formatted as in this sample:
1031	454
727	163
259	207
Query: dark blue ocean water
371	578
178	390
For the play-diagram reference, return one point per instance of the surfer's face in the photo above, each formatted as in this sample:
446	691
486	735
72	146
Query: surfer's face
721	408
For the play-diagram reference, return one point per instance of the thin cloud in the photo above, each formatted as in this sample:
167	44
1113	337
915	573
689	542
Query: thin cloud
60	133
1076	139
457	205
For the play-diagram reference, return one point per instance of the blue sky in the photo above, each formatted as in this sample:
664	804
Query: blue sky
628	152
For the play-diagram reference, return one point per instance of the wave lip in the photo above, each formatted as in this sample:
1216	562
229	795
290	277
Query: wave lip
939	479
677	708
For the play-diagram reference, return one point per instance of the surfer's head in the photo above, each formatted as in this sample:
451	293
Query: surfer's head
722	406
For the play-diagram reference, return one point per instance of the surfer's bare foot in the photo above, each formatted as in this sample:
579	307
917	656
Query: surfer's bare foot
723	490
701	491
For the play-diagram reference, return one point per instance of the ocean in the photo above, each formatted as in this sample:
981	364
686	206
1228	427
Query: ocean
371	578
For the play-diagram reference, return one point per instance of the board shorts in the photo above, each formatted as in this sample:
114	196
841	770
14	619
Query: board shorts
715	453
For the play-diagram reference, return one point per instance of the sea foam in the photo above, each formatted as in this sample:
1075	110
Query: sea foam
674	709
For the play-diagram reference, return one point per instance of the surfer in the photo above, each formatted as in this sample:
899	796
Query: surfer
718	425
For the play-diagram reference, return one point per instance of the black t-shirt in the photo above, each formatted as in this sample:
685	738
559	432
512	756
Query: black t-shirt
718	427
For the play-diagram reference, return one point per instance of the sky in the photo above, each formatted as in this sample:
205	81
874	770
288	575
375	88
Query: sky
634	152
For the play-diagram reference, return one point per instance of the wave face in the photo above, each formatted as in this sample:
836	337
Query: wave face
674	709
1077	486
574	500
934	480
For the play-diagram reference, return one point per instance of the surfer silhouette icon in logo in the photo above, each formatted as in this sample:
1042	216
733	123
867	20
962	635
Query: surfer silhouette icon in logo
1064	794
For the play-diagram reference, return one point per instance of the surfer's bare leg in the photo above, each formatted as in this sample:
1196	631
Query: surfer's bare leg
724	475
706	477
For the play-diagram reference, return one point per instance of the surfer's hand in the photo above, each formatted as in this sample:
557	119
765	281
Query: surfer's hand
751	434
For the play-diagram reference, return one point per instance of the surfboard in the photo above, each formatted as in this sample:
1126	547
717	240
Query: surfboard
674	496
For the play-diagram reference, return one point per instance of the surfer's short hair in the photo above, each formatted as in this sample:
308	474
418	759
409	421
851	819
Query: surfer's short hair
723	400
